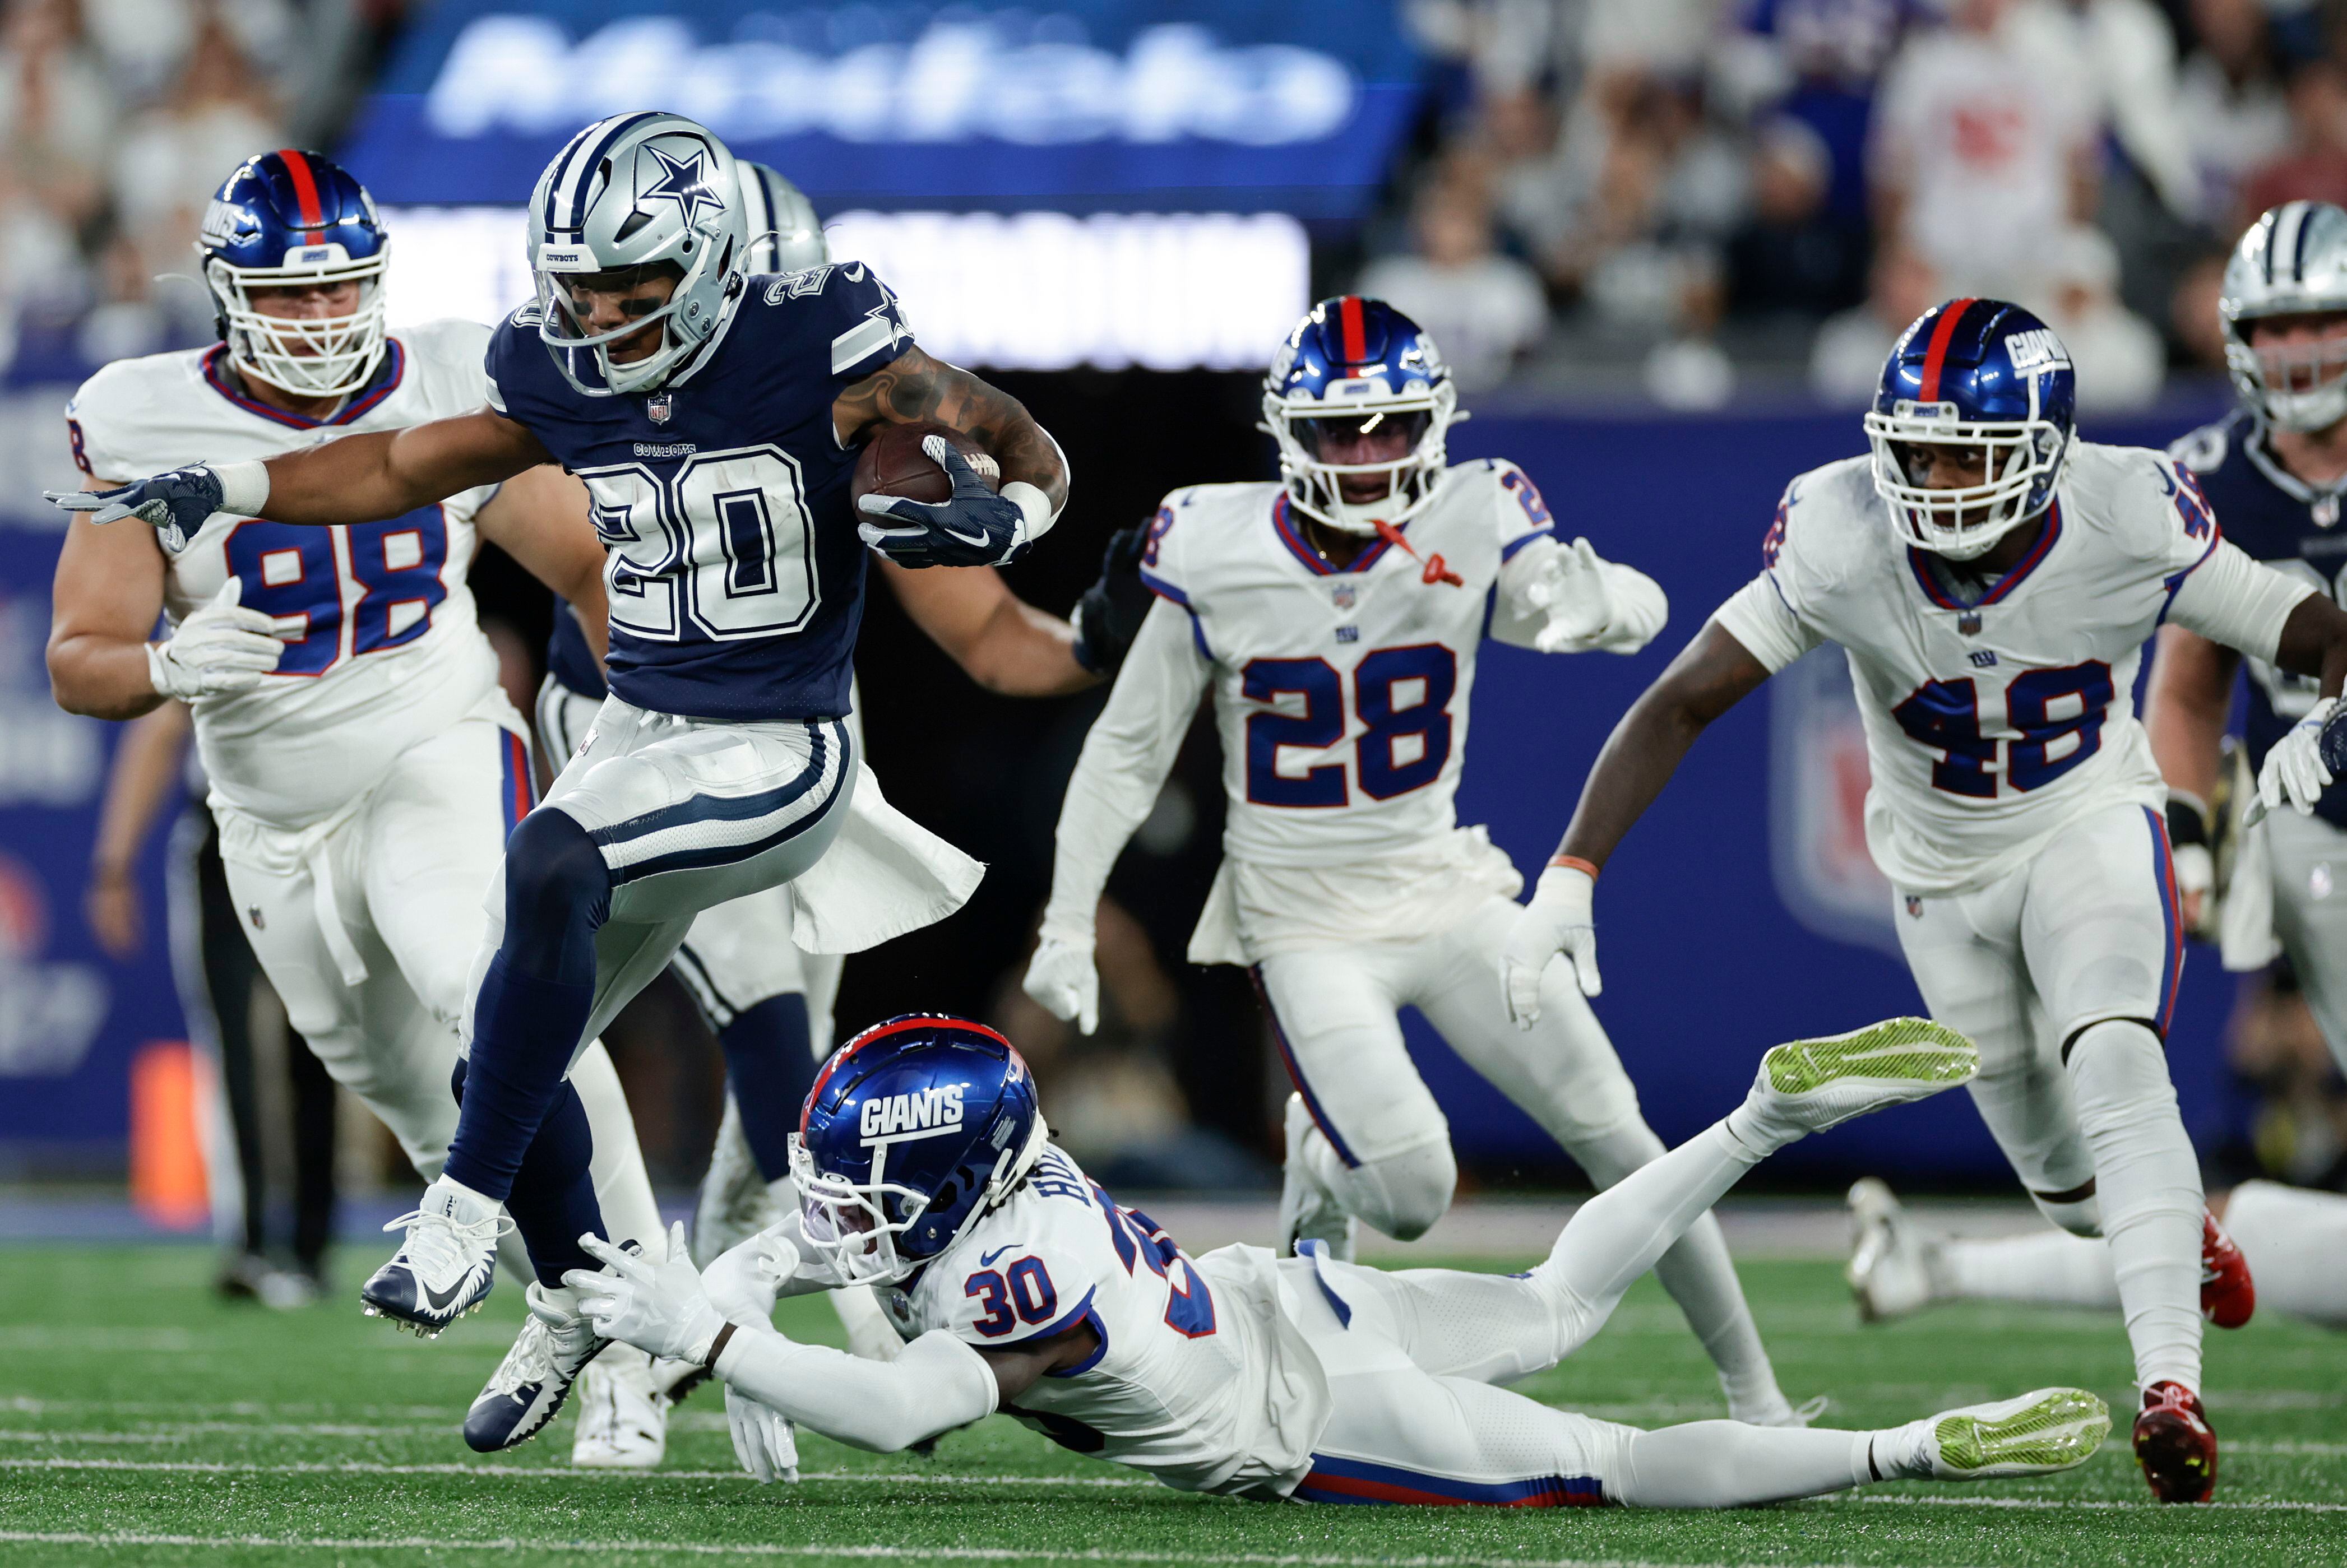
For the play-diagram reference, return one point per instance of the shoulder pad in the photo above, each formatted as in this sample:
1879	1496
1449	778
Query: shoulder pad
2203	450
528	315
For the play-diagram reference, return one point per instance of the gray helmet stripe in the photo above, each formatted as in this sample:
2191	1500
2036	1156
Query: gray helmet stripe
2288	226
2297	242
561	163
583	169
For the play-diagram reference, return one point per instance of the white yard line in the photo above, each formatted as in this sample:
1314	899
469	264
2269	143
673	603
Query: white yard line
857	1550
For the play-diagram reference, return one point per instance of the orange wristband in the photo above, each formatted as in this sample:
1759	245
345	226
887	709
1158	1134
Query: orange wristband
1574	863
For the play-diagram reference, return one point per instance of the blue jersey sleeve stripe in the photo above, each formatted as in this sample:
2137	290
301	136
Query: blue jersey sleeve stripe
1508	551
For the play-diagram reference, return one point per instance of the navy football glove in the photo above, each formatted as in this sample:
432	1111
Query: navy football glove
976	527
176	503
1109	616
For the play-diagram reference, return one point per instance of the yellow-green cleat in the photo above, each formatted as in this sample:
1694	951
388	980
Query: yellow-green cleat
1813	1084
2051	1430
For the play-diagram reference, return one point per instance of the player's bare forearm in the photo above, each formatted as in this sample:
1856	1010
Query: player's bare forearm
2314	642
1711	675
540	519
105	599
914	387
377	475
144	775
2184	708
1000	642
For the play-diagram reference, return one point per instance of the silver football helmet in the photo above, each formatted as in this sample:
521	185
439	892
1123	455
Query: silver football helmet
785	236
2292	261
638	190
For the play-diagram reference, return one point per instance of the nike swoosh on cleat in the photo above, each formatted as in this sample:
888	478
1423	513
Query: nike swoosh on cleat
438	1301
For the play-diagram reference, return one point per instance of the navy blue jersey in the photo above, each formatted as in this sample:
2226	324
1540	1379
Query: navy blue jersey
2292	526
736	578
569	658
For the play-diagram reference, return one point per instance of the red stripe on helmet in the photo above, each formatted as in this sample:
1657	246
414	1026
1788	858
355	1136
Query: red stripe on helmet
1349	317
882	1032
305	187
1937	353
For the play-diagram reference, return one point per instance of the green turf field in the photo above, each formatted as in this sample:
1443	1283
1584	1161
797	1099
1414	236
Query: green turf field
142	1421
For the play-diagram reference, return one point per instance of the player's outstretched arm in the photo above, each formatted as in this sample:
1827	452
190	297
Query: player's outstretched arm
144	774
360	478
539	516
2186	704
107	596
2230	598
1127	753
1711	675
1000	640
913	387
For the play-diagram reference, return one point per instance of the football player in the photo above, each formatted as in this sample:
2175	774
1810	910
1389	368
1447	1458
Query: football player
365	765
2294	1241
1993	581
767	1003
1337	615
2276	470
1024	1287
714	418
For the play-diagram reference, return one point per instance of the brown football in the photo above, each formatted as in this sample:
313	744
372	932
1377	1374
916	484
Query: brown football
892	464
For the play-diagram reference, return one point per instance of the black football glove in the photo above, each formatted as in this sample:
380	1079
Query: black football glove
176	503
975	527
1109	616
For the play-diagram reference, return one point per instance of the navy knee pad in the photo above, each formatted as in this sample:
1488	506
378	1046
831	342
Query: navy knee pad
558	892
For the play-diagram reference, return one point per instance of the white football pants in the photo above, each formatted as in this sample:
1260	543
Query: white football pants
2063	972
1411	1358
1382	1146
2309	861
368	925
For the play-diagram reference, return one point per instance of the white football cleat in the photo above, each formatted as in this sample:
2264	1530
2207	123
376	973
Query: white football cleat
2037	1434
736	1201
622	1419
1308	1211
1895	1267
1808	1085
530	1384
446	1264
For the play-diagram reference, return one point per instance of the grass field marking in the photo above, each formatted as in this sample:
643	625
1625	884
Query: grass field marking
180	1431
2086	1504
564	1472
880	1551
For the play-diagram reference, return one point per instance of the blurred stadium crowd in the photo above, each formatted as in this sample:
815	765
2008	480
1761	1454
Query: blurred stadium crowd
1710	191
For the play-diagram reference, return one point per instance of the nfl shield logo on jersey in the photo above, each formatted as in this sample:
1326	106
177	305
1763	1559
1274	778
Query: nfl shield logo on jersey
1818	779
657	407
1342	594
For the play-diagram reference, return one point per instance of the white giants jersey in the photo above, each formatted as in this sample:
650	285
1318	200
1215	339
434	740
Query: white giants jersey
1341	696
388	651
1200	1380
1994	718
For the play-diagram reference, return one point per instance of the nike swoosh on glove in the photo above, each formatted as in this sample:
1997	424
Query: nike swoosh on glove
176	503
974	526
660	1307
1109	616
222	646
1557	921
1062	977
2295	770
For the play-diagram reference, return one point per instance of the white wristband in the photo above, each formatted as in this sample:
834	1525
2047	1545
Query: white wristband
1034	508
244	487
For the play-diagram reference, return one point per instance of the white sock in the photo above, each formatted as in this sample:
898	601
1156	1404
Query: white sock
1699	1275
1726	1464
2053	1268
2148	1180
1619	1235
2296	1244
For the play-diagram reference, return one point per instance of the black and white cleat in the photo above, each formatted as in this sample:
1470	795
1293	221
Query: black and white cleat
445	1265
530	1384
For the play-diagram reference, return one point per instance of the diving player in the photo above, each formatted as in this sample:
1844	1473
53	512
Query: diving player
1337	616
1024	1287
2276	470
1993	581
365	765
714	418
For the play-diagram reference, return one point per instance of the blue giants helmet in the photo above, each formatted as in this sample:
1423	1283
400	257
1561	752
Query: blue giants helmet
913	1129
1348	366
1980	373
290	219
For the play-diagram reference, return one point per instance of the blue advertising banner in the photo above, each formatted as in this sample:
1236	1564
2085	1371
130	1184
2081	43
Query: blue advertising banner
70	1018
1077	105
1743	909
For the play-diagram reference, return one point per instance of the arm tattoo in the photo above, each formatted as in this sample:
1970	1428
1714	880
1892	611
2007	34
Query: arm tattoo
914	387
